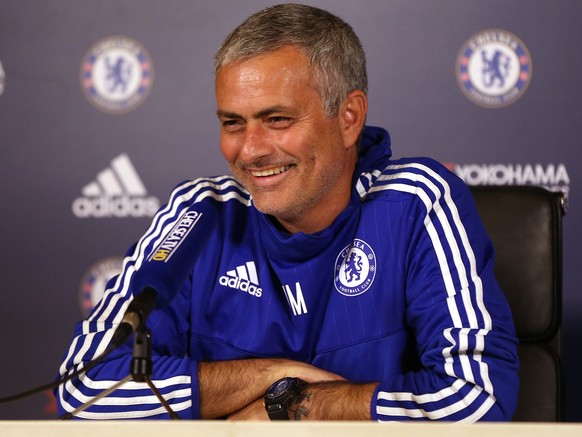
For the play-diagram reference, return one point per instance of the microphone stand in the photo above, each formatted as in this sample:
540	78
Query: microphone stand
140	371
141	366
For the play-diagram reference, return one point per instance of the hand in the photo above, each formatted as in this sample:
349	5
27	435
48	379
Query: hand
304	371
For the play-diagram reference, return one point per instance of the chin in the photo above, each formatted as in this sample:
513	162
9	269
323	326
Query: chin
272	208
266	208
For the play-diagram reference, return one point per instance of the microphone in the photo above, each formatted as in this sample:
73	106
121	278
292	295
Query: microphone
163	272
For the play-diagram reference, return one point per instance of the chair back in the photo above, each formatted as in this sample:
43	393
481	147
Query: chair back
525	226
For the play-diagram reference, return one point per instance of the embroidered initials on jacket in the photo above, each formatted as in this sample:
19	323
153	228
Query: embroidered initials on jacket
296	301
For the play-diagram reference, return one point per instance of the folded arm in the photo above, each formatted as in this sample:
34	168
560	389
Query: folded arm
237	387
329	400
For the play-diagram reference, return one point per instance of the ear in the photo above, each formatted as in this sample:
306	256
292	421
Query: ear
352	115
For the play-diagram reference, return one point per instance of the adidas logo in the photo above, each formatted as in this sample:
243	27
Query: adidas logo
117	192
243	278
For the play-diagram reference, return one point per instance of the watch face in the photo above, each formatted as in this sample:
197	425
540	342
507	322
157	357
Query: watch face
279	388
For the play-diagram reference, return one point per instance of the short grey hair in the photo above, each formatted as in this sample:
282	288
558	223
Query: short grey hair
333	49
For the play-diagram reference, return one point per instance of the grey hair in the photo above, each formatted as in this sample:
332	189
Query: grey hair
333	49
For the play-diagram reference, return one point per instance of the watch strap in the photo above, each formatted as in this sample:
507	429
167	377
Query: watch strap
277	412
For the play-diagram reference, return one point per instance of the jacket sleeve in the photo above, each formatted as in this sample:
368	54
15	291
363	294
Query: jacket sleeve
461	321
174	373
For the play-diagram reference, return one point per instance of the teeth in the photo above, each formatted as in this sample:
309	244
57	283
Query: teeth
270	171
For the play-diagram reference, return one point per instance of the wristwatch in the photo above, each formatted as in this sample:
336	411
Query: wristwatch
281	395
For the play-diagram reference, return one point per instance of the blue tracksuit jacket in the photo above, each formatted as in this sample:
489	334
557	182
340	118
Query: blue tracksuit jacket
398	290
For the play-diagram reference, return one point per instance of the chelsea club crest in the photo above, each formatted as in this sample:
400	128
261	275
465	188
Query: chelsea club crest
494	68
94	282
116	74
355	268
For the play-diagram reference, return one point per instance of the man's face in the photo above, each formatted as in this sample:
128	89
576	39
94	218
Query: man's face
279	143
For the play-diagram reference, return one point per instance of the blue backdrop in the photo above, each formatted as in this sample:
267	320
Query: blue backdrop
106	105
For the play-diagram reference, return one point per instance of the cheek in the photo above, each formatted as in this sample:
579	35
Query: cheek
229	149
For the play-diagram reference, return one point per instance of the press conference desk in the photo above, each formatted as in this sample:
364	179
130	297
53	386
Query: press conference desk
295	429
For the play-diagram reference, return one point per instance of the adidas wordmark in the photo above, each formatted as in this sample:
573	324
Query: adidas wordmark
117	192
243	278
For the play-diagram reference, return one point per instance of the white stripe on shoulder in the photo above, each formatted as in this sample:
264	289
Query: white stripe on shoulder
434	183
162	223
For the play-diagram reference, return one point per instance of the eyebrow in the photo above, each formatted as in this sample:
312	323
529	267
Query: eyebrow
263	113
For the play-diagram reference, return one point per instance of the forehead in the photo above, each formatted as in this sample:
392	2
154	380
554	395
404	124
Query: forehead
276	71
286	56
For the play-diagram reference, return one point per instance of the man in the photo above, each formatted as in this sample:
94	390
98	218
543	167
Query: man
335	284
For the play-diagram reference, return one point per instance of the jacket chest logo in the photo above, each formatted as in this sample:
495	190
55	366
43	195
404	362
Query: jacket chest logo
355	268
243	278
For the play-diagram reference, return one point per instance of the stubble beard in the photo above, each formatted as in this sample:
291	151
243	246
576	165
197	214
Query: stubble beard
292	205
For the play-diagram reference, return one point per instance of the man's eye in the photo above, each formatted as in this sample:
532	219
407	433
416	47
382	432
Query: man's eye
230	124
280	121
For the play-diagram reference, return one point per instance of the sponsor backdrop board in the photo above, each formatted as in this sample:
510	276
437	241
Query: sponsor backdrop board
106	105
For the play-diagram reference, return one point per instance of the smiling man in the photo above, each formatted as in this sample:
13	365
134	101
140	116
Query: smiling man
335	284
296	161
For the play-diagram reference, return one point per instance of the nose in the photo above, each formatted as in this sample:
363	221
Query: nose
255	143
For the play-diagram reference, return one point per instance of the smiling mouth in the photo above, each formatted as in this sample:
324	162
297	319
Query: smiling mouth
270	171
